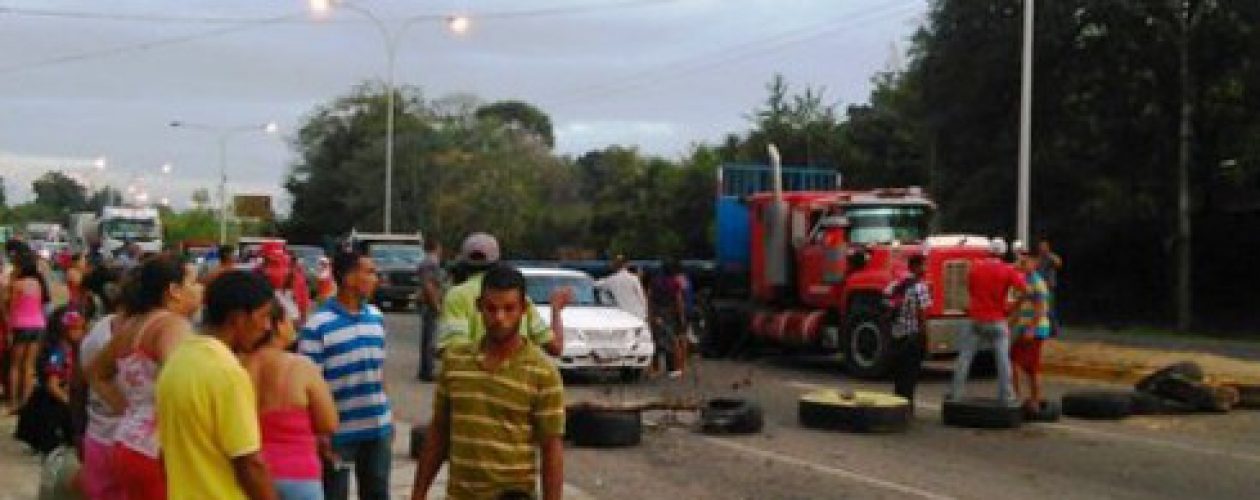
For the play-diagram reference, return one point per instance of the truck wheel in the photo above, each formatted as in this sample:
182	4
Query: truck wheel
981	413
604	427
868	345
1098	405
731	416
860	411
1186	369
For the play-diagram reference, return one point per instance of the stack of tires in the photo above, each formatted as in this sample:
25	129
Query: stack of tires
1177	389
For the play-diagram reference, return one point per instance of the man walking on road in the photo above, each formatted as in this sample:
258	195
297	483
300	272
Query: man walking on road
498	403
346	339
432	282
626	289
910	303
990	282
461	323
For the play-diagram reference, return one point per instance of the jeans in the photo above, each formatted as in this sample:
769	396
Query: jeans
907	362
428	336
999	335
371	462
288	489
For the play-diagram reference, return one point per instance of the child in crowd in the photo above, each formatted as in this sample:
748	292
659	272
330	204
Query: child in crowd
44	422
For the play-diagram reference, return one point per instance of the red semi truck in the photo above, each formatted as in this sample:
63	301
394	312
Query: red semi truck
803	265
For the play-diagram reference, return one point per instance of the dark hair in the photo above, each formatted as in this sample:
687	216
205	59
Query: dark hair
277	315
344	263
146	288
27	265
432	245
503	277
56	331
235	291
226	251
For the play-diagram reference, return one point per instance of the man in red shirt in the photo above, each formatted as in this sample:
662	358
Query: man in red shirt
989	283
286	277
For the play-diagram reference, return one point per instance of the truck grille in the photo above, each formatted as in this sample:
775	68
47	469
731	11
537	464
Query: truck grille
606	337
955	297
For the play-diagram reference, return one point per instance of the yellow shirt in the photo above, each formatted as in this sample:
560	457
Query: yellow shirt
461	323
207	415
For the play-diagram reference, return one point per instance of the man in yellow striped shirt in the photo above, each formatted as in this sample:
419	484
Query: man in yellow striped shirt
497	404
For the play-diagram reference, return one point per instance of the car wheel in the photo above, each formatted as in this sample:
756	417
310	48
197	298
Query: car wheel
860	411
731	416
981	413
604	427
1098	405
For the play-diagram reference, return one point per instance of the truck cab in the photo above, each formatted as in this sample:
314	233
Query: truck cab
398	258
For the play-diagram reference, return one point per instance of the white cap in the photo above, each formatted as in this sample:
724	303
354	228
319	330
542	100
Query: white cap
479	247
997	246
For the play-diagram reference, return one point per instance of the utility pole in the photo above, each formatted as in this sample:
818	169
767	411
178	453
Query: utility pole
1189	13
1025	129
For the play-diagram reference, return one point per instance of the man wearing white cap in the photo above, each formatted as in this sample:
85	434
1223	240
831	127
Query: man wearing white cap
989	283
460	320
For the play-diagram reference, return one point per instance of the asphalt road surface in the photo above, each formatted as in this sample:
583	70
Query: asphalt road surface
1196	456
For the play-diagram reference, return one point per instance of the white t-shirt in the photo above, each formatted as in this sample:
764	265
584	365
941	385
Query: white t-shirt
627	292
101	421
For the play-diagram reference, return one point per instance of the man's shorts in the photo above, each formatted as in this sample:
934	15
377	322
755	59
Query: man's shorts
27	335
1026	354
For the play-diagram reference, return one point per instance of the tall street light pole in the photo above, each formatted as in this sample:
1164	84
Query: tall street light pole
222	134
1025	129
458	24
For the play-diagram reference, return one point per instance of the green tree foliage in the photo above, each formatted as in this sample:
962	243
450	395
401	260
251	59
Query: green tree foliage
59	192
522	116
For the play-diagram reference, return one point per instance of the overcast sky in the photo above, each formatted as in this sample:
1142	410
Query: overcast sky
83	79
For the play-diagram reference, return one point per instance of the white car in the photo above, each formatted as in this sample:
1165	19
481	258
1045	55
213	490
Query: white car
596	335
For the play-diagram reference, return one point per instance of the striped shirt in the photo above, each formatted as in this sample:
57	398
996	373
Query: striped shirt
497	419
1038	295
350	350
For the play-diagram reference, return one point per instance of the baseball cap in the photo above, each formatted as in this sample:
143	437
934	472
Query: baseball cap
997	246
479	247
272	250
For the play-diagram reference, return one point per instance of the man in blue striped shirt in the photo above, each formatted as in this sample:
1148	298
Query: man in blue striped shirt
346	338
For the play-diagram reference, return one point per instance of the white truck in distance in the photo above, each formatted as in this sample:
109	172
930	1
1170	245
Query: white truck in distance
116	226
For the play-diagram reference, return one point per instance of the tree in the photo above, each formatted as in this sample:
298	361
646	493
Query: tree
4	196
522	116
59	192
104	197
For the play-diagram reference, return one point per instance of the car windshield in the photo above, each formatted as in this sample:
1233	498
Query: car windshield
309	256
397	255
539	288
884	224
130	229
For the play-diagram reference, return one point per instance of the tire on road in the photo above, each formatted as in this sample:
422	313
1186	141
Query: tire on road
1185	369
860	411
1248	395
1048	411
981	413
731	416
604	427
1098	405
1197	394
416	444
1149	404
631	375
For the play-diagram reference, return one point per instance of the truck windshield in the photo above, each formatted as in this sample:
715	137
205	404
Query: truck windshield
539	288
397	255
130	229
884	224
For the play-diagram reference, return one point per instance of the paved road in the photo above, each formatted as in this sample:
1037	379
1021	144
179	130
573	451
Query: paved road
1205	456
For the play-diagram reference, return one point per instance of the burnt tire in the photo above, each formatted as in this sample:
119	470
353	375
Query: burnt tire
1098	405
731	416
862	413
1248	395
604	427
1150	404
1046	412
1188	370
418	432
1197	394
867	343
981	413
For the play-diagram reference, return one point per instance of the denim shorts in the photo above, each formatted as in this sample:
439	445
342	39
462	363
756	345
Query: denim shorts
27	335
299	489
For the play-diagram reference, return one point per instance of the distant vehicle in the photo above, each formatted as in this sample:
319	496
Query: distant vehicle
398	258
597	335
308	257
249	247
114	227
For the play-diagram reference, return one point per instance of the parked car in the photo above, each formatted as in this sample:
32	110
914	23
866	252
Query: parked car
596	334
308	257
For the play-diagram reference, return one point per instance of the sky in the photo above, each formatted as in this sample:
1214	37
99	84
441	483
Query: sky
84	79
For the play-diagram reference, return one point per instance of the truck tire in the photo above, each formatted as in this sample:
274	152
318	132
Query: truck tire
1185	369
1149	404
1248	395
1098	405
1048	411
416	444
731	416
981	413
863	412
604	427
867	341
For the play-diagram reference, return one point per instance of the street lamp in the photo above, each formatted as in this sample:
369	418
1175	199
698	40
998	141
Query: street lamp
1025	128
166	168
222	134
458	24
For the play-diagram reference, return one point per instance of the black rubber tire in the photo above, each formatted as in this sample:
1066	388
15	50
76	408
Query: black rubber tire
1098	405
604	427
418	432
862	327
1248	395
1201	396
1047	412
854	418
1188	370
631	375
731	416
981	413
1149	404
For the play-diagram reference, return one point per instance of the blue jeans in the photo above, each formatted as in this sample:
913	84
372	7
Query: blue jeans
299	490
371	462
999	335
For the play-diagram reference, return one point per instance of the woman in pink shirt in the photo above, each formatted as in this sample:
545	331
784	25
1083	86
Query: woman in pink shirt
28	292
295	410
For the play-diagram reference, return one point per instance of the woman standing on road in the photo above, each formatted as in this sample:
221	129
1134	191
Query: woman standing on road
159	299
295	411
28	293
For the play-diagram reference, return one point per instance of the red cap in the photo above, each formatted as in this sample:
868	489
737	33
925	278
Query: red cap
272	250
